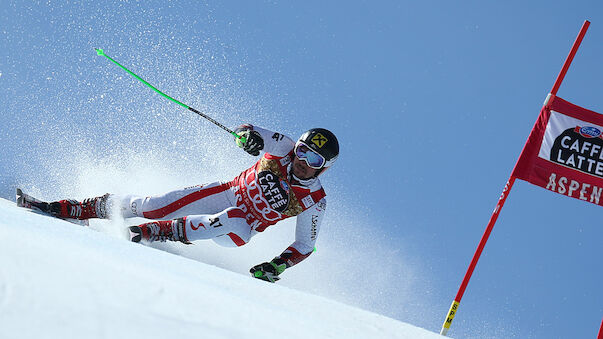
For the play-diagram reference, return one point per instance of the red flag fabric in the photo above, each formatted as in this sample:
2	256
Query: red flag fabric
564	152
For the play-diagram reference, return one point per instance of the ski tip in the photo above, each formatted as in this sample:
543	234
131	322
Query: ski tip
134	234
19	197
99	52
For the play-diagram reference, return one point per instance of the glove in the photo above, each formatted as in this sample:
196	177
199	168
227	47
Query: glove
269	271
253	144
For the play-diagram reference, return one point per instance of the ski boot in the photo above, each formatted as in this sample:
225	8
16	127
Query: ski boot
87	209
160	230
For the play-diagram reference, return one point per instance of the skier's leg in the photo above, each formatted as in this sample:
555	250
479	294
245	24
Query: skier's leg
229	226
206	199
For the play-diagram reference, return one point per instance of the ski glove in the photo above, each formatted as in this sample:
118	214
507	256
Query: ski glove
254	143
269	271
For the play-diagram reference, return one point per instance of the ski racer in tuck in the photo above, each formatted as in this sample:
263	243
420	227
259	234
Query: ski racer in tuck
283	183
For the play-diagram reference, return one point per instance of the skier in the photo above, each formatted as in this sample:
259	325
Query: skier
283	183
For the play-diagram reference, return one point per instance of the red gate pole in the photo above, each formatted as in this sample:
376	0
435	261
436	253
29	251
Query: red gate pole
503	197
570	57
457	300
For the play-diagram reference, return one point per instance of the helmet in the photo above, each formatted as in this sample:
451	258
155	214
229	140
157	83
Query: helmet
322	142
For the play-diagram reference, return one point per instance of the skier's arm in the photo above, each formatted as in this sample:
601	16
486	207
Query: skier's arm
262	139
306	232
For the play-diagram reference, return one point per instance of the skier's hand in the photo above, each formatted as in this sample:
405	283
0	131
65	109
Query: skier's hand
268	271
253	144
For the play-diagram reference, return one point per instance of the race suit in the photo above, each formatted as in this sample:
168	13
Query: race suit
232	212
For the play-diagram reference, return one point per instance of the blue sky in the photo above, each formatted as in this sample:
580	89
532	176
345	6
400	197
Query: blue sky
432	102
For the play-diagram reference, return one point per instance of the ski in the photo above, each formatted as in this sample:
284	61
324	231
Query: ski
42	207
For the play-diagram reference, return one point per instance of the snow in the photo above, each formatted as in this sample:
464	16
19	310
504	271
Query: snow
60	280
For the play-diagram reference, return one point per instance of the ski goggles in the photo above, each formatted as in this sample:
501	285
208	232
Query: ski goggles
312	159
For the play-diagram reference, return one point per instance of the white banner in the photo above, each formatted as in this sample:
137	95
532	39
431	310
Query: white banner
573	143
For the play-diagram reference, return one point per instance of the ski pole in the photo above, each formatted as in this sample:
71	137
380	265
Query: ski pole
240	138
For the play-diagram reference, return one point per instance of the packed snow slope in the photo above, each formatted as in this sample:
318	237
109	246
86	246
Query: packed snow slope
60	280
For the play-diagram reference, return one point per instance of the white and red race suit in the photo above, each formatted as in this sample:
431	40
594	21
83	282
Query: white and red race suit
232	212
